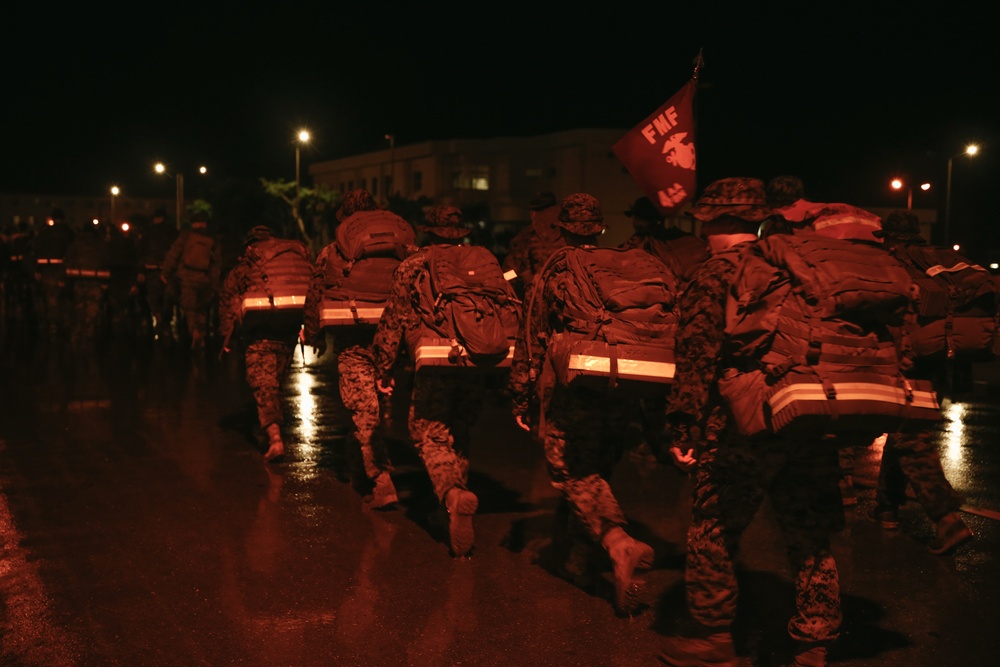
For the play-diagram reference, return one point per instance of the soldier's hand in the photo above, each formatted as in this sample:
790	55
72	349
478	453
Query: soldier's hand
683	458
385	387
522	423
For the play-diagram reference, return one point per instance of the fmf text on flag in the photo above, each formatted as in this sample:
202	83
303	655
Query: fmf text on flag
659	152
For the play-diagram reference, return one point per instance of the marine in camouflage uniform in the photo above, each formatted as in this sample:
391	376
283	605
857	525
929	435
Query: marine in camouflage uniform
267	355
912	458
156	301
198	288
355	366
88	273
733	475
533	245
442	409
580	428
54	300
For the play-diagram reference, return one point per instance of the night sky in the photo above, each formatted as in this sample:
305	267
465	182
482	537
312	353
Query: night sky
845	99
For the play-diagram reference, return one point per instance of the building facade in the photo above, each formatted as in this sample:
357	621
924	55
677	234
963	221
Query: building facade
497	177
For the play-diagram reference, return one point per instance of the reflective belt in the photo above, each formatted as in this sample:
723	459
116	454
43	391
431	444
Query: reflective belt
441	355
49	260
88	273
151	267
16	258
349	314
627	369
851	391
264	303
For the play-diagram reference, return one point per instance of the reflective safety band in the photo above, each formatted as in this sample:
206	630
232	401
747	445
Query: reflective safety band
851	391
263	303
151	267
88	273
628	369
16	258
329	317
440	355
49	260
961	266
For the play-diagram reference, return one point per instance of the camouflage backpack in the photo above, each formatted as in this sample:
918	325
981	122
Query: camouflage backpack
618	320
370	245
197	253
280	271
469	313
810	341
958	304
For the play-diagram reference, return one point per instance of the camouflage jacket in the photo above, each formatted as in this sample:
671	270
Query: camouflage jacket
693	399
542	317
231	297
400	314
530	249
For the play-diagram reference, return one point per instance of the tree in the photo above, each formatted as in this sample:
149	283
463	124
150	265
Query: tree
314	203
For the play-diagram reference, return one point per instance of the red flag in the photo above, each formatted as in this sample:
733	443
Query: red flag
659	152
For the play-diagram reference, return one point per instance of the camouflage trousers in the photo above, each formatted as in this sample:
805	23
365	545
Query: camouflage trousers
267	364
54	302
582	436
800	480
913	458
158	301
194	301
358	393
443	409
89	308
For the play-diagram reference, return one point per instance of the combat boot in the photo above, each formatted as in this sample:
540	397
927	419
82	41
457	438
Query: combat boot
951	532
462	505
886	516
384	493
276	447
627	555
809	655
713	650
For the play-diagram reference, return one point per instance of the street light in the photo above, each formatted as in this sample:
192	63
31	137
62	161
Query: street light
898	184
970	150
391	138
115	191
160	168
303	138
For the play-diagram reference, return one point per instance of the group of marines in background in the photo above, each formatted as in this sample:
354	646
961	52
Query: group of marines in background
580	431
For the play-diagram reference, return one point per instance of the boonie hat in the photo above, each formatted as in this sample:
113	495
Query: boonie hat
581	214
644	209
542	200
901	225
743	198
354	201
259	233
446	222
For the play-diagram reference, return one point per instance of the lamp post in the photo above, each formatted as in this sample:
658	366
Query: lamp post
302	138
161	168
897	184
115	191
391	138
970	150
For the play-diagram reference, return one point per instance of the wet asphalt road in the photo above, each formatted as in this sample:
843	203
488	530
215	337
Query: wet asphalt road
139	525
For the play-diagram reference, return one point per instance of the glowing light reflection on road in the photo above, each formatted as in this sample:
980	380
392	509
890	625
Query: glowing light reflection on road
954	433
